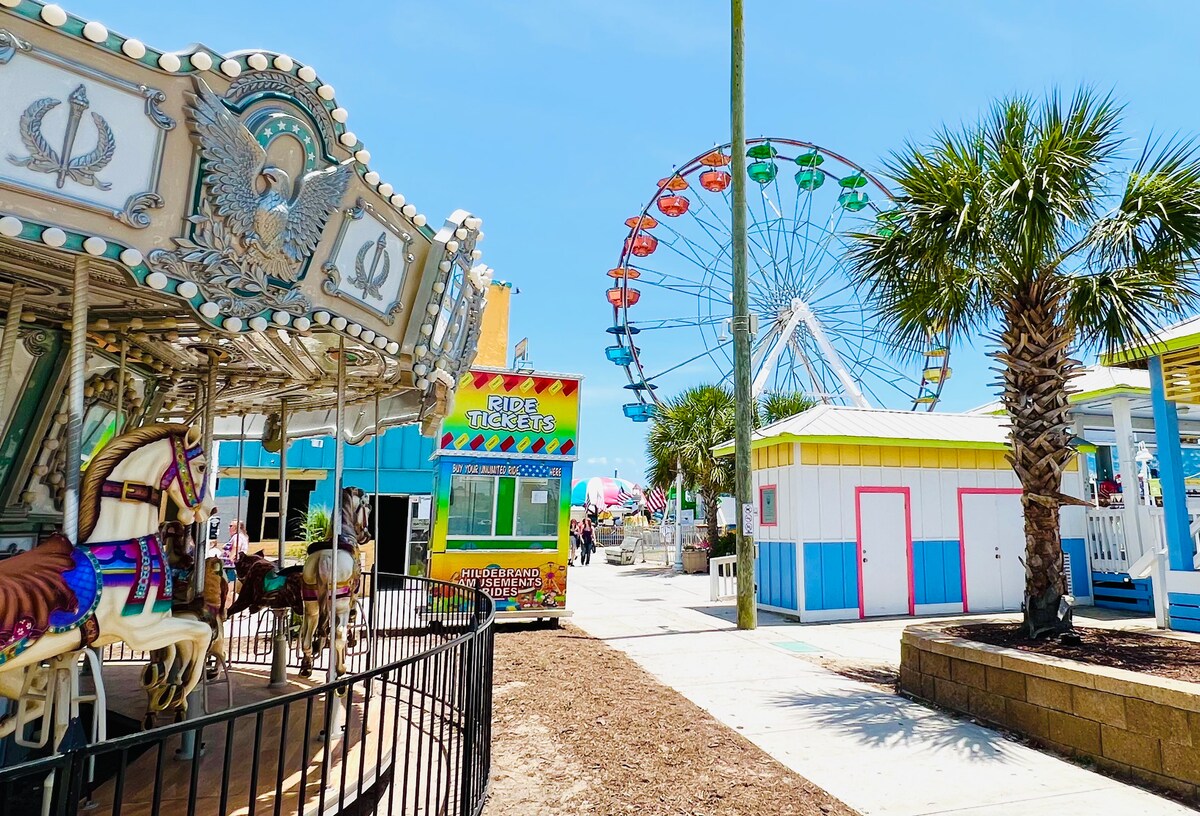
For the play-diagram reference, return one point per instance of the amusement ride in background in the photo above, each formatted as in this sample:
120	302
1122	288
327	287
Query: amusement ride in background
671	288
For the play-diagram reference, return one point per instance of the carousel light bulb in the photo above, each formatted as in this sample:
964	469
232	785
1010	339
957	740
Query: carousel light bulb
409	210
392	347
325	92
61	418
476	254
187	289
479	236
460	234
10	227
54	15
397	201
281	318
95	31
257	61
340	115
432	308
95	245
420	351
134	49
380	342
426	329
385	189
284	63
354	330
362	156
169	62
156	280
137	323
209	309
131	257
371	177
439	287
420	369
54	237
307	73
338	323
419	219
348	139
452	247
302	324
201	61
422	383
52	444
473	222
232	324
258	323
367	336
322	318
231	68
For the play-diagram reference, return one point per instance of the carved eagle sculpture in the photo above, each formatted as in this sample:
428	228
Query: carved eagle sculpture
279	229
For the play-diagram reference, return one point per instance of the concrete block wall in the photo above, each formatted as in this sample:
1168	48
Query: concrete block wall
1136	726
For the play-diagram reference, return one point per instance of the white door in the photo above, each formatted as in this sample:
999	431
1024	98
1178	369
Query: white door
993	528
883	527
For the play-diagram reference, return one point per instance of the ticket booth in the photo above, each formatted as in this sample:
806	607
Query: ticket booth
503	489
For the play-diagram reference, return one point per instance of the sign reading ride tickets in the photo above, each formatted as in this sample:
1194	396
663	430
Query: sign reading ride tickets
503	493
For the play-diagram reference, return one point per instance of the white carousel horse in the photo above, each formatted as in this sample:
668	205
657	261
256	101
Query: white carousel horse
56	600
324	575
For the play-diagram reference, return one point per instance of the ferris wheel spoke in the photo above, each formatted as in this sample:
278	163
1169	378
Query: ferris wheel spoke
675	323
706	353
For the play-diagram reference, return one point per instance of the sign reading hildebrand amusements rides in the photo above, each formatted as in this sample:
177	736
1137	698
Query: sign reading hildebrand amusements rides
503	489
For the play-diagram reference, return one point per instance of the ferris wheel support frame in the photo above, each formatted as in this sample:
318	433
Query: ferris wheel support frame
801	312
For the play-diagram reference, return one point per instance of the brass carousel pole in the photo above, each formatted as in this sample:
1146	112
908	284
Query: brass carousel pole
119	421
12	331
279	647
210	413
76	377
372	620
338	465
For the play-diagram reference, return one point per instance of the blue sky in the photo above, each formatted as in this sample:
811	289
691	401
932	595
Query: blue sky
553	119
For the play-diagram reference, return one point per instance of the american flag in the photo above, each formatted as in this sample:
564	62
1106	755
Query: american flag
656	500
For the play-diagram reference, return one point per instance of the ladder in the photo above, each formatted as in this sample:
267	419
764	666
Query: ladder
270	491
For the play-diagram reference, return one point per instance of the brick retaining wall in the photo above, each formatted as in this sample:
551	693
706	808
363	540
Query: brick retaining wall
1146	728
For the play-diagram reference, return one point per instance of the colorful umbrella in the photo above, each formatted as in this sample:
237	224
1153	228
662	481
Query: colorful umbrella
604	492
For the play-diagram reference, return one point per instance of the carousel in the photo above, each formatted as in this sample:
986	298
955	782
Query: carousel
193	246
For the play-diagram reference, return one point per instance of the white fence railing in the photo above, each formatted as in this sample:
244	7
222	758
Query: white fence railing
1116	539
722	578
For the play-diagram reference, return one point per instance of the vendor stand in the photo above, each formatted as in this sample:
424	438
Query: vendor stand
503	498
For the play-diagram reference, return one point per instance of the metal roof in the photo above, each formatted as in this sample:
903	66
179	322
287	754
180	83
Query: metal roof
867	426
1181	335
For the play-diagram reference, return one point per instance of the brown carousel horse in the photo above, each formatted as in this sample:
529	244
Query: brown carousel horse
115	585
265	586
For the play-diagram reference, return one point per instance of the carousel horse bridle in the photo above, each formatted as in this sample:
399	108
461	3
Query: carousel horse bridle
178	472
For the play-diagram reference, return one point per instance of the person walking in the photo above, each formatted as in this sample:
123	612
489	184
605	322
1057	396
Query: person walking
587	534
574	542
235	546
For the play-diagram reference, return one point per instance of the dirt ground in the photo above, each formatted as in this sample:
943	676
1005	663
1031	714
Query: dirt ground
1136	651
581	729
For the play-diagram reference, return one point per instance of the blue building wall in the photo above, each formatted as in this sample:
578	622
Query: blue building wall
405	465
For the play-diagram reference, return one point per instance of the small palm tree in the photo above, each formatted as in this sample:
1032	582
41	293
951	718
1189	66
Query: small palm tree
1021	229
683	435
781	405
316	525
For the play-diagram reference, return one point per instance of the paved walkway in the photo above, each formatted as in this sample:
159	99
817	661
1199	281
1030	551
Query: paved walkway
878	752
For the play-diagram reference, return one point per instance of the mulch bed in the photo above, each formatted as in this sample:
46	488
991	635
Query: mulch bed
1135	651
579	728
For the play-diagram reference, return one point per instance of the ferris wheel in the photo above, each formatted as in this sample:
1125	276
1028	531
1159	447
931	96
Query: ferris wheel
672	287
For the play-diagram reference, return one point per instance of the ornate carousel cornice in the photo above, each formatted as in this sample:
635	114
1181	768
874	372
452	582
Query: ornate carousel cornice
437	339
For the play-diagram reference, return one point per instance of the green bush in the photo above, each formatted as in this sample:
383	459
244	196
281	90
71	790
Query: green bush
726	545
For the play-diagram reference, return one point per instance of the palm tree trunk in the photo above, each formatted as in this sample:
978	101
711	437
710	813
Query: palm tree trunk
711	501
1037	366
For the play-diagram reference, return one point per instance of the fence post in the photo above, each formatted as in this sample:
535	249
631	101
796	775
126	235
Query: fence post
466	805
72	747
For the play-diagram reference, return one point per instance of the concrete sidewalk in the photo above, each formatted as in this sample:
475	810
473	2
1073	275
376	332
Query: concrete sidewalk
878	752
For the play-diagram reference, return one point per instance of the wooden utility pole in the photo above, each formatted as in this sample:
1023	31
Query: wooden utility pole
747	617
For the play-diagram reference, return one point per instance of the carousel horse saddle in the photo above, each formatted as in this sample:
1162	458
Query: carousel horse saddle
344	544
277	579
53	587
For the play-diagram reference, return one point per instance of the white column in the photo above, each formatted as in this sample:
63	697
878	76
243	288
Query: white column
1130	495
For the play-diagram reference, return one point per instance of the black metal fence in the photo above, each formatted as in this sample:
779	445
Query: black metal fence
408	731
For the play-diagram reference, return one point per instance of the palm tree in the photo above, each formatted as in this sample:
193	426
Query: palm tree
1021	229
683	435
781	405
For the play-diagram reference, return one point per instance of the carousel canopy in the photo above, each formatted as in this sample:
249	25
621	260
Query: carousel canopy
220	213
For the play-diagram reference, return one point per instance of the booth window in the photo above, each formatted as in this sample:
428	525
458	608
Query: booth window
537	508
472	505
768	514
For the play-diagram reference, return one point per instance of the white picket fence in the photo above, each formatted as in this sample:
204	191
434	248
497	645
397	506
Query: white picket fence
1114	543
722	578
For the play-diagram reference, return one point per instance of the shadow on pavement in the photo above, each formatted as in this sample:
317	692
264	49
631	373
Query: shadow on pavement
879	718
